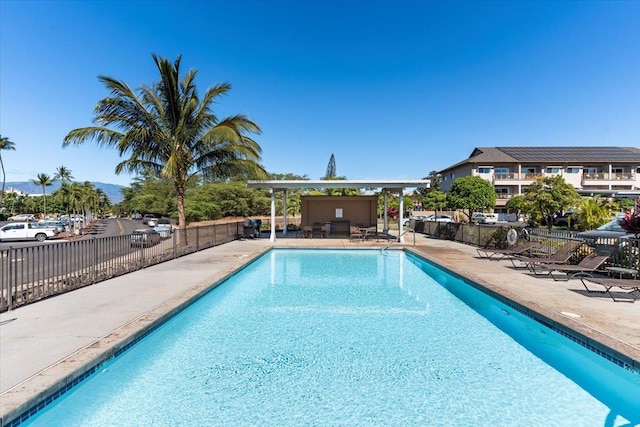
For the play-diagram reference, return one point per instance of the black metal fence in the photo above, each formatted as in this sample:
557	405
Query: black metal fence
29	274
623	251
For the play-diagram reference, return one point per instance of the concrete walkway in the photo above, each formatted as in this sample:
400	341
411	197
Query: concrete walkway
50	343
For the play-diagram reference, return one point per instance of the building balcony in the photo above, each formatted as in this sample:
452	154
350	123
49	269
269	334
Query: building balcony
515	178
604	178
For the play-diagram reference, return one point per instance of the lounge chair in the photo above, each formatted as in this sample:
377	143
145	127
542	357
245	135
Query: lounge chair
628	286
521	249
584	268
561	256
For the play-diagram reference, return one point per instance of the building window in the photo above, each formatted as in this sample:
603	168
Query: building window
553	169
573	170
591	170
484	169
501	171
453	176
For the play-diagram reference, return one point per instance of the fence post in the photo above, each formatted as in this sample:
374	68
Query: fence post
173	239
11	266
95	259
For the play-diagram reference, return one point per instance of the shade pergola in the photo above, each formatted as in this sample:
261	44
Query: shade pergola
386	187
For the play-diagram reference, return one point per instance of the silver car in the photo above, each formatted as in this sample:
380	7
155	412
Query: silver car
145	237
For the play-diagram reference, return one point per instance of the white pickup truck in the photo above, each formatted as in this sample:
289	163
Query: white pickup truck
27	231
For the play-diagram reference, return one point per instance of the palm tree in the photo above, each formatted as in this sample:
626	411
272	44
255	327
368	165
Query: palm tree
168	129
5	144
63	173
43	180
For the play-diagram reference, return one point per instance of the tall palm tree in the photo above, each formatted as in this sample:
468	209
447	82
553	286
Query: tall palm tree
43	180
5	144
63	173
168	129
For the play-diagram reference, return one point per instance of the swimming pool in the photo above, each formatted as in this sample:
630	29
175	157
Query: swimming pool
358	338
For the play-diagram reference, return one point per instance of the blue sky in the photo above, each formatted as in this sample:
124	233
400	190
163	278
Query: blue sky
394	89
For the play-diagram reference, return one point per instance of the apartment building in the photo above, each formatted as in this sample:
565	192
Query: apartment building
613	171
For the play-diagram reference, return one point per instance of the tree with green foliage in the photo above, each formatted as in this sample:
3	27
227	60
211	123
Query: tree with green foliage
436	180
435	200
169	130
594	211
518	205
549	195
624	204
5	144
43	180
63	173
470	194
331	168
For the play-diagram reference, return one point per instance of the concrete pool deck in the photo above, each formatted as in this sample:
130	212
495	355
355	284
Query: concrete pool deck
45	344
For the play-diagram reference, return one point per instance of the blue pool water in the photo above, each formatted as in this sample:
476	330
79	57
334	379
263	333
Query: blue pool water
351	338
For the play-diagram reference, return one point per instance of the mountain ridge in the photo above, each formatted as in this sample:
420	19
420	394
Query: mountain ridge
111	190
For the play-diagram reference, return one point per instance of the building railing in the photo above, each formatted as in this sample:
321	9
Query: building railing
29	274
603	176
600	176
623	252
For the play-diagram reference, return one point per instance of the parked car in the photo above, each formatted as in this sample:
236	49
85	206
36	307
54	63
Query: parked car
484	218
136	215
415	218
22	218
164	221
564	219
147	217
152	222
26	231
145	237
58	225
439	218
164	228
606	234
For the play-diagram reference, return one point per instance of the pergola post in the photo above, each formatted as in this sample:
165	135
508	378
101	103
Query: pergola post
401	217
385	208
284	213
272	236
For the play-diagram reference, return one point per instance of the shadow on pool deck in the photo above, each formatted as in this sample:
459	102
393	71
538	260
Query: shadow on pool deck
50	343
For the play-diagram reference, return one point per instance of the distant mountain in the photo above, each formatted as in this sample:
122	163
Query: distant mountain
111	190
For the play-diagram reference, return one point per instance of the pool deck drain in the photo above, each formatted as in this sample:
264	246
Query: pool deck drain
43	344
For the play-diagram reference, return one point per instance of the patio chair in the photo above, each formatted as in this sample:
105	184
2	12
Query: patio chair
628	287
585	268
370	233
307	231
521	249
355	233
560	256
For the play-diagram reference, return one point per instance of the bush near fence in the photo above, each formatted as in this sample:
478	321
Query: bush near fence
623	254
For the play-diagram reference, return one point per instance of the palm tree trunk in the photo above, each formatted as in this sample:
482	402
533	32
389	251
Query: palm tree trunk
182	223
44	196
3	181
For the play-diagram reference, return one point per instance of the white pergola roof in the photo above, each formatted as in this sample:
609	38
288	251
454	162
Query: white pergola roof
385	185
284	185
